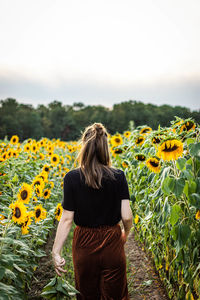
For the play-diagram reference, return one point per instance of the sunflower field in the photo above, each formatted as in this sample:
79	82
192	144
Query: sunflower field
162	168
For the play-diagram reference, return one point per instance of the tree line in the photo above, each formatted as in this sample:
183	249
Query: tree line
66	122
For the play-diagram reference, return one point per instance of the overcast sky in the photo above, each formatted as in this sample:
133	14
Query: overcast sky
100	51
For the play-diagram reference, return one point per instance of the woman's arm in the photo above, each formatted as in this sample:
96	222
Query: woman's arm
62	232
127	218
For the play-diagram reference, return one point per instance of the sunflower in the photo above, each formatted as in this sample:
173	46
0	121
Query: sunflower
197	215
55	159
38	181
117	150
35	199
62	160
139	140
136	219
2	217
39	191
140	157
58	211
25	193
14	139
153	163
68	156
124	164
170	149
41	156
39	213
46	193
145	130
127	134
51	184
43	175
27	148
46	168
4	155
15	153
27	222
34	147
156	140
187	126
18	212
116	140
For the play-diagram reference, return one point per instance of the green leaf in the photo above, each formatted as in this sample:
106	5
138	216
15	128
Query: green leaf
18	268
168	185
183	235
180	163
178	186
174	233
175	214
2	272
194	149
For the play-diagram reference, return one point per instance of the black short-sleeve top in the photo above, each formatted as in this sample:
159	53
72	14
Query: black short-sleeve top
94	207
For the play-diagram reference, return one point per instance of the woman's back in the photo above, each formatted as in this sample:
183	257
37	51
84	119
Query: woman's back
95	207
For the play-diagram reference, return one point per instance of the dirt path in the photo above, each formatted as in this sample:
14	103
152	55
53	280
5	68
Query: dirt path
143	279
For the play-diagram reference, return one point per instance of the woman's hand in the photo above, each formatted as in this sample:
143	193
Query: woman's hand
124	236
58	262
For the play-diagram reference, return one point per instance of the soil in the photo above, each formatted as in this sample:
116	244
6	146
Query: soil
142	276
143	279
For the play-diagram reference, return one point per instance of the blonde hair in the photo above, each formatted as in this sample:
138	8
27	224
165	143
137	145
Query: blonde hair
94	156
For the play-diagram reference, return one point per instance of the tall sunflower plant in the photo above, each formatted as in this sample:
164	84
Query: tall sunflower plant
164	181
30	186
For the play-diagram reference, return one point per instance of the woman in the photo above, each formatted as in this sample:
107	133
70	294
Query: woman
96	198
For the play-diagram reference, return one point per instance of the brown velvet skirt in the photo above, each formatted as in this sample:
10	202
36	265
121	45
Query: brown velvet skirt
99	263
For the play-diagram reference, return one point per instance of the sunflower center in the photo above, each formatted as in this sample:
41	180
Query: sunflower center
46	193
170	149
117	140
54	159
58	213
139	140
24	195
17	212
46	169
37	182
118	151
154	164
38	213
14	140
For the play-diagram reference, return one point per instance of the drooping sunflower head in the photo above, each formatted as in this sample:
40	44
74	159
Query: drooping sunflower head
25	193
140	157
156	140
55	159
153	163
58	211
18	212
139	140
145	130
14	139
116	140
170	149
187	126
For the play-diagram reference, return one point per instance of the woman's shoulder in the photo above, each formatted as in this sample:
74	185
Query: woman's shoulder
72	173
